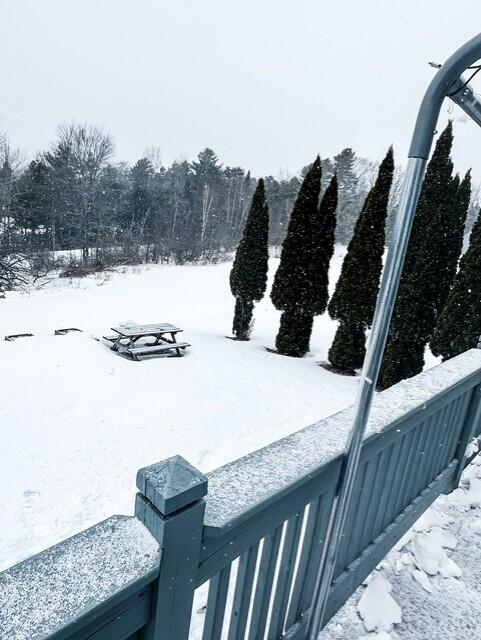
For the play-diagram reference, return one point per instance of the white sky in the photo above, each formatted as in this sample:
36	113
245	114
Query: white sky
267	84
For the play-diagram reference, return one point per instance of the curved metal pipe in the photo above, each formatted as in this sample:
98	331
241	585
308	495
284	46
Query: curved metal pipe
421	142
441	86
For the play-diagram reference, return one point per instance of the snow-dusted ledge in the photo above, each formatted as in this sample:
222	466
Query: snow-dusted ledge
42	594
238	486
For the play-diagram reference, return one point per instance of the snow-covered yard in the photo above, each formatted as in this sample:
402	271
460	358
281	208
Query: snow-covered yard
78	420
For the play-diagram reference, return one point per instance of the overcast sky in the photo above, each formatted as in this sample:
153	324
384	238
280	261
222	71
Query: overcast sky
266	83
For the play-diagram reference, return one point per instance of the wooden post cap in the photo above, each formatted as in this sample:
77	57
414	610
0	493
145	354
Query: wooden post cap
171	484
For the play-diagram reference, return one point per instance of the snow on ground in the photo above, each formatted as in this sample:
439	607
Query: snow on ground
429	586
78	420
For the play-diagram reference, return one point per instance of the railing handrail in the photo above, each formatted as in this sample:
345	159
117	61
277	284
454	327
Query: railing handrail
62	590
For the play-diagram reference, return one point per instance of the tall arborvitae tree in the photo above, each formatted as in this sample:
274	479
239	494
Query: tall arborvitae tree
355	296
323	239
248	277
292	291
415	311
459	326
300	283
452	237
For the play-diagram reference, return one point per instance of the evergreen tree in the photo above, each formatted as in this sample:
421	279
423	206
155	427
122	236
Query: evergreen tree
415	311
356	291
248	277
297	289
323	238
6	199
344	165
459	326
33	203
452	237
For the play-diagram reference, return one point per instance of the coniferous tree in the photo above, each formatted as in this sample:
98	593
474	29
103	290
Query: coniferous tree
297	289
355	296
459	326
248	277
323	239
344	164
452	236
415	311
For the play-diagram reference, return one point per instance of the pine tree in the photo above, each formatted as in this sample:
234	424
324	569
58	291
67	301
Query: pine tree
415	311
248	277
300	283
355	296
459	326
348	206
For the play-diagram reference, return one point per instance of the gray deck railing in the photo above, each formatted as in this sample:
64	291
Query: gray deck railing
253	529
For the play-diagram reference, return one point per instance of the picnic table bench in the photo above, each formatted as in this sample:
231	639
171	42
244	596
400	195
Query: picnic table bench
127	338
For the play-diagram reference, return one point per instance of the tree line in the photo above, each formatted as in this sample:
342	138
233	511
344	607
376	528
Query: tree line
74	196
438	305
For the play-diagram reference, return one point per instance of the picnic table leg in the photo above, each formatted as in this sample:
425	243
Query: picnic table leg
174	340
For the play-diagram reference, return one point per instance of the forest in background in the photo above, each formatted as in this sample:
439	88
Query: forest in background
76	197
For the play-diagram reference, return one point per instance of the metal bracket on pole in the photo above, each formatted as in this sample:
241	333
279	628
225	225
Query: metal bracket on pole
447	82
463	95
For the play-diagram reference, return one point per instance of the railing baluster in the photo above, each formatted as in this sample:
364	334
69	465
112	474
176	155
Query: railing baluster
402	448
242	594
315	553
390	469
452	429
434	448
403	491
373	499
265	579
310	542
352	517
216	601
419	461
284	577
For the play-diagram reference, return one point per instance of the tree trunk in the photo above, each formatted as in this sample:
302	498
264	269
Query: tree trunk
348	348
294	333
242	325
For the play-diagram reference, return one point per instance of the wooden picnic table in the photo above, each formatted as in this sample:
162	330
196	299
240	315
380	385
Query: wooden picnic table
128	337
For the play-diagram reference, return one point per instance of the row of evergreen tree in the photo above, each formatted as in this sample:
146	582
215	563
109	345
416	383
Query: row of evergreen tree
437	305
74	196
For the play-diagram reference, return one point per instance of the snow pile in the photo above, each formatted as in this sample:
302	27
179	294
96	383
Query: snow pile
42	594
377	608
429	551
429	586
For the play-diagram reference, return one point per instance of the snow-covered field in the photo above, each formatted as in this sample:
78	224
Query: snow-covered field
78	421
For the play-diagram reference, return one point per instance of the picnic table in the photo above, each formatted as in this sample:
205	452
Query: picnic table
127	340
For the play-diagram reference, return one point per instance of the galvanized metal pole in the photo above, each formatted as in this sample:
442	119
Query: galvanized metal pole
441	86
367	384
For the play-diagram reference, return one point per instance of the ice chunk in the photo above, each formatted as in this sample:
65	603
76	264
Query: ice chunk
422	579
377	607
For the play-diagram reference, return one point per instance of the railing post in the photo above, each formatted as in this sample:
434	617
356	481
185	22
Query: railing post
471	421
170	504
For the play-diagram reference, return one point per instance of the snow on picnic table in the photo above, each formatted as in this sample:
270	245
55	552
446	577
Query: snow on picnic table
78	421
